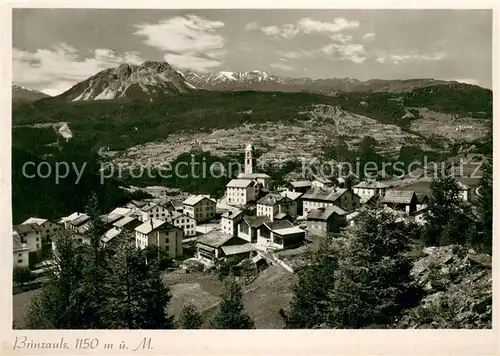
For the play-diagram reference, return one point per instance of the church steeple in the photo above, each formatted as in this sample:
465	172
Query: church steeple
249	159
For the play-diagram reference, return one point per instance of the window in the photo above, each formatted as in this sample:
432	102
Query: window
19	261
38	239
37	246
20	255
167	240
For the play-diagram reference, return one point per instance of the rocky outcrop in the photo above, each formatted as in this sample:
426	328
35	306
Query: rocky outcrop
458	286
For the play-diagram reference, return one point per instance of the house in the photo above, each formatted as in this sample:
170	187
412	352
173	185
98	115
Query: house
30	234
109	236
401	200
184	222
465	190
321	182
169	205
127	223
422	200
419	216
327	197
368	189
109	219
199	207
209	247
122	211
155	232
67	219
48	228
136	204
20	252
278	235
262	179
230	221
152	211
321	221
275	203
296	197
241	191
300	186
248	227
80	224
246	250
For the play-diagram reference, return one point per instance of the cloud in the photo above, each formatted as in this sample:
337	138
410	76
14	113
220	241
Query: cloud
251	26
191	41
55	70
355	53
281	66
410	57
307	26
298	54
369	36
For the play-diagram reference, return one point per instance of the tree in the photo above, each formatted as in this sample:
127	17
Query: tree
22	275
373	285
190	317
137	297
311	293
231	313
485	208
447	216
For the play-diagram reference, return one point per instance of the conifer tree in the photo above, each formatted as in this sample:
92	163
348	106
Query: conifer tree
190	317
231	313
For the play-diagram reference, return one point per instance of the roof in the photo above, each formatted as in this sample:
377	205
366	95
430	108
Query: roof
324	194
71	217
421	197
121	211
80	220
325	213
244	175
462	185
289	231
149	226
322	180
27	228
110	218
240	183
280	216
291	195
215	238
149	206
236	249
17	243
256	221
138	203
176	215
398	196
272	199
110	234
195	199
39	221
301	183
127	220
278	225
371	185
232	214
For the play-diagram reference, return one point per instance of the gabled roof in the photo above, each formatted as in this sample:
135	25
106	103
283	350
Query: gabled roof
215	238
244	175
371	185
280	216
175	215
278	225
301	184
324	214
399	196
149	206
110	218
232	214
236	249
138	203
110	235
128	221
27	228
39	221
291	195
80	220
152	225
121	211
71	217
256	221
289	231
324	194
272	199
195	199
240	183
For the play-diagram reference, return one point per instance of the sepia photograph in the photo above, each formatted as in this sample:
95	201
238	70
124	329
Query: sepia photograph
251	169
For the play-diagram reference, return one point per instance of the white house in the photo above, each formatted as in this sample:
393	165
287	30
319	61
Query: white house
20	252
241	191
274	203
369	188
153	211
230	221
200	207
248	227
279	235
184	222
65	221
48	228
316	198
159	233
30	234
320	182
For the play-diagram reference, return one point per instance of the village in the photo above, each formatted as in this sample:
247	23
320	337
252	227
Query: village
254	221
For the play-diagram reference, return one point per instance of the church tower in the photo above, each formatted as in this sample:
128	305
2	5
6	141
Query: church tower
249	159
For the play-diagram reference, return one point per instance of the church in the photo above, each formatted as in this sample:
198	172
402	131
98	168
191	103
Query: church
247	186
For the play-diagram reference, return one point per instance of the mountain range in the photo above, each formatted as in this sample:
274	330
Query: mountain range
152	79
23	94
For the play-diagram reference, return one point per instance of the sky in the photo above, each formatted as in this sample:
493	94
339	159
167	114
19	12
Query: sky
53	49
